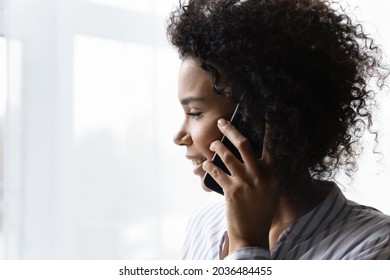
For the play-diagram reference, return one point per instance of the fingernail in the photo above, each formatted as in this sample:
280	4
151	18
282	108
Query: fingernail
222	122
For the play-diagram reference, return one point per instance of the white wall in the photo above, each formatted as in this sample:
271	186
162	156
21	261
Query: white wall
372	182
91	169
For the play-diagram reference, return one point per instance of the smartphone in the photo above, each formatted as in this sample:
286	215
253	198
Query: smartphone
245	129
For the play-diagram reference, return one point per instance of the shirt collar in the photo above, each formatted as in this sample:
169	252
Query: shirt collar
319	217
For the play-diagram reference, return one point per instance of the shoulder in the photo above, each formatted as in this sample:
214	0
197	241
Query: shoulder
355	215
340	229
204	232
368	217
209	215
366	231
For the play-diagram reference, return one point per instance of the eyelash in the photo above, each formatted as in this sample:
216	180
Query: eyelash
195	116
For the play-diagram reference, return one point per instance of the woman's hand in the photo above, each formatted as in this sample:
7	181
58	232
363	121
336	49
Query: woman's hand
250	191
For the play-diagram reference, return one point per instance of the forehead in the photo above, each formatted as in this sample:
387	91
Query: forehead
190	65
194	82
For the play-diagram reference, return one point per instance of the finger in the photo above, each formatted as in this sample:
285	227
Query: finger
218	174
238	140
232	163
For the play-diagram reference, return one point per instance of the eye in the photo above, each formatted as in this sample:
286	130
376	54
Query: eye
195	114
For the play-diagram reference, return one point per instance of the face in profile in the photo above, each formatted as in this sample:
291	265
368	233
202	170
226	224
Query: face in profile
202	108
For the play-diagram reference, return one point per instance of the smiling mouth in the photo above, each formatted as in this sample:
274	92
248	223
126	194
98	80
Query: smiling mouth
197	162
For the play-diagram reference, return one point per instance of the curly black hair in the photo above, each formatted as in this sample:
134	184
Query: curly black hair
304	64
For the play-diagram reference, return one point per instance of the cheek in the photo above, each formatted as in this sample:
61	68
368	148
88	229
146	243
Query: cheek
204	135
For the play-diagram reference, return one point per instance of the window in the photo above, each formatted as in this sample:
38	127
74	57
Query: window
93	172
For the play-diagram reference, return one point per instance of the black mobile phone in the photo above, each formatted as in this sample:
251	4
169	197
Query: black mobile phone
246	129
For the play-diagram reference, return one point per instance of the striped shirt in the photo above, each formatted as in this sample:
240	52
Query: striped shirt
336	229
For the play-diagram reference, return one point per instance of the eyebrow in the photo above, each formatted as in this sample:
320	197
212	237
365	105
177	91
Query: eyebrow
188	100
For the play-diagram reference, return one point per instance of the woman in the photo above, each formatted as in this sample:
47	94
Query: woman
301	72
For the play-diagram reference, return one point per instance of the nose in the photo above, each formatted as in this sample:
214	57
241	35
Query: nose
182	138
